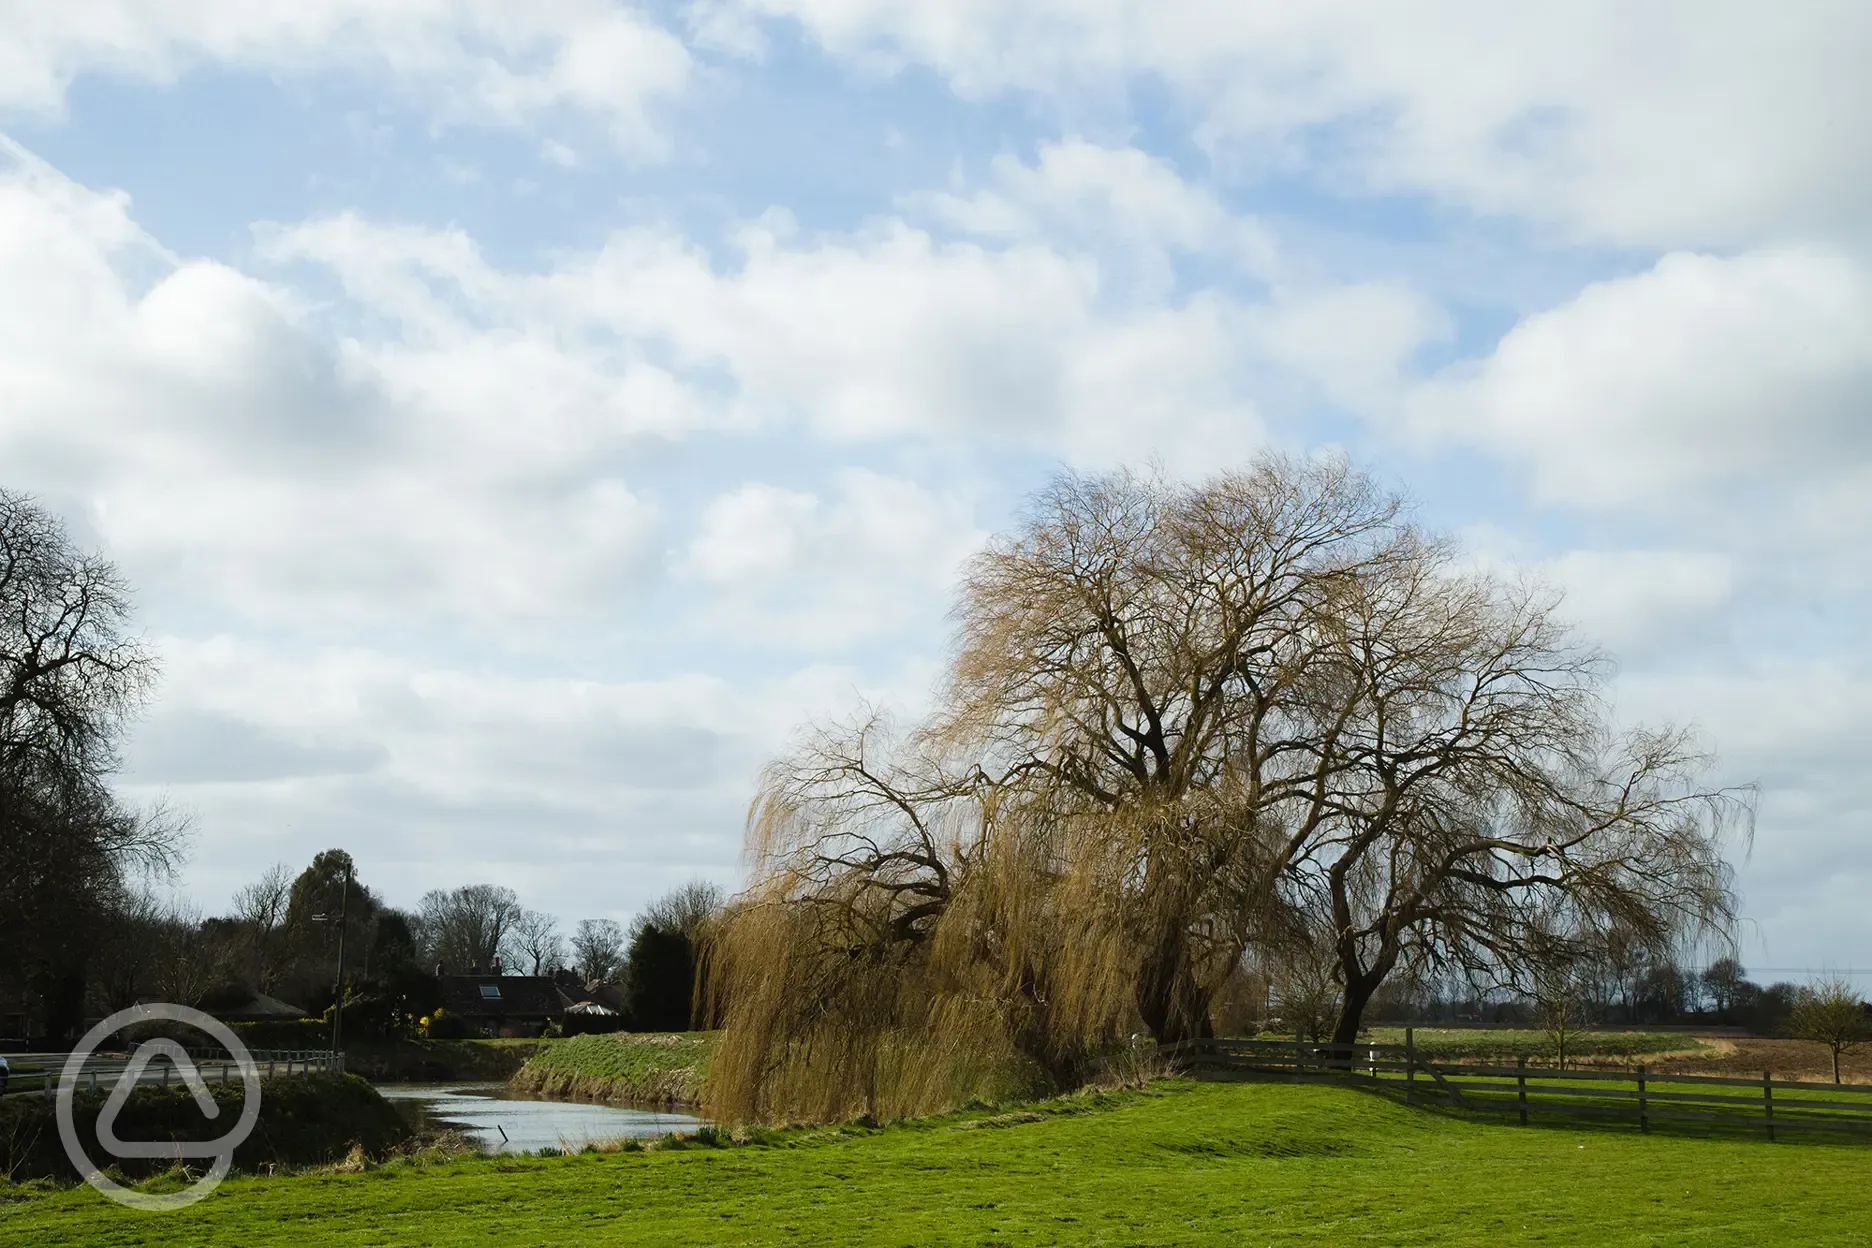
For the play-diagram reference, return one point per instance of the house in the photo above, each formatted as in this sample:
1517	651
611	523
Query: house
237	1003
502	1005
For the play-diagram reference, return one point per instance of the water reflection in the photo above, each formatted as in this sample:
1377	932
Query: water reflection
493	1118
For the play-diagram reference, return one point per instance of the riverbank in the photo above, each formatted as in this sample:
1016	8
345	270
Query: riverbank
622	1069
442	1061
1182	1162
305	1120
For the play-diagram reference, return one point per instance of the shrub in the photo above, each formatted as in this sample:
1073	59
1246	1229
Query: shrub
442	1025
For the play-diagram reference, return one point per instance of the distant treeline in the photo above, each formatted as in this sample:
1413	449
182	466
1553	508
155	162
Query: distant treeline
1632	986
278	948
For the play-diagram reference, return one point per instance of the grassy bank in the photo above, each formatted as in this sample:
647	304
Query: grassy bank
1181	1163
304	1120
623	1069
441	1061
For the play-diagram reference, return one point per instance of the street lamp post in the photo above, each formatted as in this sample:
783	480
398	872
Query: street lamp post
344	906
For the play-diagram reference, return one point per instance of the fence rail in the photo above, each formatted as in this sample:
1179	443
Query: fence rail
41	1073
1638	1096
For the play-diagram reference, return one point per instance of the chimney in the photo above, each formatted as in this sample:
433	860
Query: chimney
494	965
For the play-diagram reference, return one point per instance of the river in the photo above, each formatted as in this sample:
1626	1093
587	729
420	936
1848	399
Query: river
502	1123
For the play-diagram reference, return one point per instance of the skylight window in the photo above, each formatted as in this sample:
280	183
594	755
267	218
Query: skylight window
490	992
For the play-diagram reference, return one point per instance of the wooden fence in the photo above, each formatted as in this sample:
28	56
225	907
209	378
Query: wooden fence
1514	1090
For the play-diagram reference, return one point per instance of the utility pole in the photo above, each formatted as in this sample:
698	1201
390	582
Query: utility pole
344	905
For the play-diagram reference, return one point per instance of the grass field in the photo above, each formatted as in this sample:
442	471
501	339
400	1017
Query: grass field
626	1068
1182	1163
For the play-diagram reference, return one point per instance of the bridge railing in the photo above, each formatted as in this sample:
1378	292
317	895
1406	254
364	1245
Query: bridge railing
41	1072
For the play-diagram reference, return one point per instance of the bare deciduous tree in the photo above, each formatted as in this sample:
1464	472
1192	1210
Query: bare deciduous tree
1306	991
688	910
598	949
71	674
1559	981
1475	808
1723	981
262	909
155	948
464	928
534	940
1830	1012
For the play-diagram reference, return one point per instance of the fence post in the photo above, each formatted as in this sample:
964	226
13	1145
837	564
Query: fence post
1299	1056
1410	1065
1768	1102
1521	1086
1644	1119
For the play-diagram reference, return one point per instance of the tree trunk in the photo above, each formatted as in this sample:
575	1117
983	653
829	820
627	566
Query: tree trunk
1836	1074
1169	1001
1174	1009
1361	983
1358	995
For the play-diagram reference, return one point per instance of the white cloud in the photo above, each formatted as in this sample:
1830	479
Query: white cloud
1054	324
481	61
226	454
1112	200
468	467
1703	374
883	332
590	796
414	764
457	450
876	557
1800	728
753	534
1646	604
1666	122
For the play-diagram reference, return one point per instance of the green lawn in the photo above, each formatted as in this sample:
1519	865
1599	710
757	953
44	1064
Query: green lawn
1184	1163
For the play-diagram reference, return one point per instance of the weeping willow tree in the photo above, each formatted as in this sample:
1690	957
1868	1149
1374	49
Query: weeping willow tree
836	972
1179	722
1480	817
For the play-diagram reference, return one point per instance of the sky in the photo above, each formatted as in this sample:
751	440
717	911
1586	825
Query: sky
516	420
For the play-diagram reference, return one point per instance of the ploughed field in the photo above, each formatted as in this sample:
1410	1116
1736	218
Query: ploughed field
1468	1044
1183	1162
1749	1056
1666	1052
